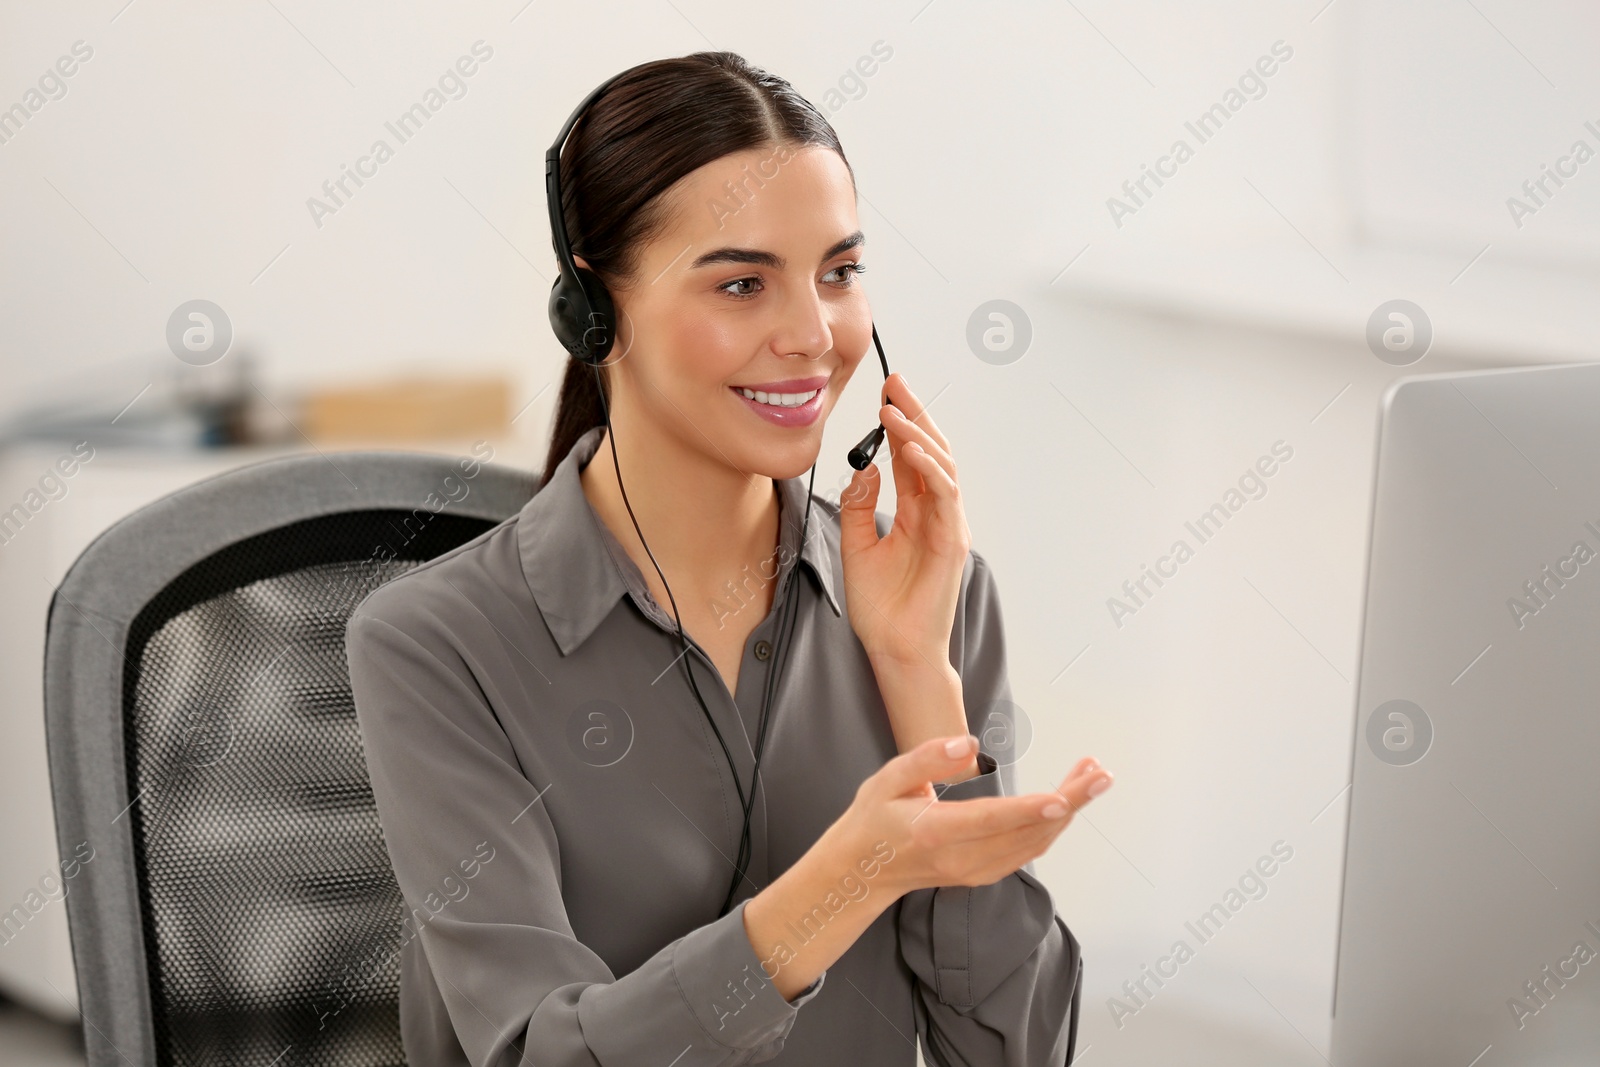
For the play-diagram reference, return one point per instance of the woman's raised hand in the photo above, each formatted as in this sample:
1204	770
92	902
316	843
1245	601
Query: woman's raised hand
902	589
969	842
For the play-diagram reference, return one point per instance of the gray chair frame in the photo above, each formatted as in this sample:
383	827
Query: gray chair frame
87	630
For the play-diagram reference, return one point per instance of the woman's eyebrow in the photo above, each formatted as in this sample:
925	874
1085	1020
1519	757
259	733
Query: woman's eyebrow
770	259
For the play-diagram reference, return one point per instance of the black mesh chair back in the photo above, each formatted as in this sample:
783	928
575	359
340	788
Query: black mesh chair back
229	895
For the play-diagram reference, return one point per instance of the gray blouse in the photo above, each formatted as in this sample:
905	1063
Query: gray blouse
563	824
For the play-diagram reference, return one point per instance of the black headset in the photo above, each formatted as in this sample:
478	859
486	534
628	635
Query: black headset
583	317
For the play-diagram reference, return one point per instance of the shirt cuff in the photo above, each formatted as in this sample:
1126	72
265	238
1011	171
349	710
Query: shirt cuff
986	783
728	989
809	991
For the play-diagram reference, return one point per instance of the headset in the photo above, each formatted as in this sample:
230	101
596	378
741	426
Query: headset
583	316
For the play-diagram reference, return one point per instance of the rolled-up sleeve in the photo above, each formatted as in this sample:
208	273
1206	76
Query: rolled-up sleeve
995	966
519	987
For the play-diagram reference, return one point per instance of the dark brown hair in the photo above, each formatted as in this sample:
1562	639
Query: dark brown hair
654	125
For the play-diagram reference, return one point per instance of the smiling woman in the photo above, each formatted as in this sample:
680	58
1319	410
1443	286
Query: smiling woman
674	882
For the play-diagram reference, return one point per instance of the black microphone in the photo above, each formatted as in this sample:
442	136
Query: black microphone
862	454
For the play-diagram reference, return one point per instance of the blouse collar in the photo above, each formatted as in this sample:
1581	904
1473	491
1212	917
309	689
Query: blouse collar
577	570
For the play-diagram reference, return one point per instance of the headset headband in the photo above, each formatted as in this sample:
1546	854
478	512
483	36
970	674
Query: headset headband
552	179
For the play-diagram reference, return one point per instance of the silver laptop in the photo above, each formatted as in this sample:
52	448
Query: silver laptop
1470	919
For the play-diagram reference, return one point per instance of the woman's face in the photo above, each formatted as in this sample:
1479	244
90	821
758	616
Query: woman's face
751	287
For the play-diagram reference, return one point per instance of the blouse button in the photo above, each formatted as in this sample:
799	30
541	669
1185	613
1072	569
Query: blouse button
763	650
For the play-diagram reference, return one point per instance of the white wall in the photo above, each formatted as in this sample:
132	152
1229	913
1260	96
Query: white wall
1169	352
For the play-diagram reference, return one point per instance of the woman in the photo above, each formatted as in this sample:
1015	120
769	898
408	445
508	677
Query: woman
553	795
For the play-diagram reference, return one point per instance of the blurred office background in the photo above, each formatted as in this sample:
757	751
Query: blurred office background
1156	340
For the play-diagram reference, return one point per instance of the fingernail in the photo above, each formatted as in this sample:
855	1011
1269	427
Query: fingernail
913	446
1099	786
958	747
1054	811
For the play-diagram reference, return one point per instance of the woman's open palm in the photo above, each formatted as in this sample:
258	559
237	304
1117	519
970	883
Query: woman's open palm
902	589
969	842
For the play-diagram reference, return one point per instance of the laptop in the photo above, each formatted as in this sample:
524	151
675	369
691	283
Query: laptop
1469	928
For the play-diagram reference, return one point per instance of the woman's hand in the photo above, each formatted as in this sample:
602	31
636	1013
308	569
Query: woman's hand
902	589
897	836
960	842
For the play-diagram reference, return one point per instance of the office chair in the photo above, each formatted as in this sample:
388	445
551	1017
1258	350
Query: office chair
237	905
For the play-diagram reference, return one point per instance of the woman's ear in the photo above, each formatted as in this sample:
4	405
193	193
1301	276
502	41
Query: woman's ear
579	261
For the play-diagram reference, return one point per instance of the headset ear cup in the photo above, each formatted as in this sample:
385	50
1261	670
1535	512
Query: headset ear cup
599	333
583	316
565	310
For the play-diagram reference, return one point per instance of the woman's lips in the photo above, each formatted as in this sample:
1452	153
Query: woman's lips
800	415
788	385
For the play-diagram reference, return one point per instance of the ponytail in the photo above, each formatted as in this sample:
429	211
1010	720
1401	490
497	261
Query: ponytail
578	411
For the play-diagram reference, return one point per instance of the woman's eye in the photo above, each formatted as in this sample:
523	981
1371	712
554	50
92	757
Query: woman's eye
739	281
851	269
848	270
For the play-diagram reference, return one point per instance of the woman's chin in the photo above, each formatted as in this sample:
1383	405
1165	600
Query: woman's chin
791	455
